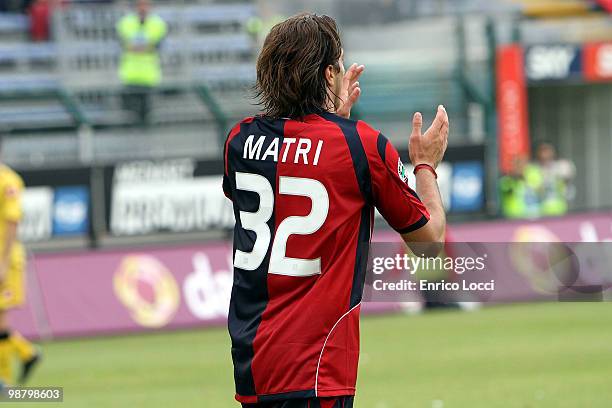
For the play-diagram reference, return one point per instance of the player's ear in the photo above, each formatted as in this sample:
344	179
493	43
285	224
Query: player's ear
330	76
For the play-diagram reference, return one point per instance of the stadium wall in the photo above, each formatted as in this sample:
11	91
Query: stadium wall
89	293
131	201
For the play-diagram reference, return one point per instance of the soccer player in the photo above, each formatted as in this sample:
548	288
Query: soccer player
304	180
12	280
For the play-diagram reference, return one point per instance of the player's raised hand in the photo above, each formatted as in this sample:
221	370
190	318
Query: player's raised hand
429	148
350	91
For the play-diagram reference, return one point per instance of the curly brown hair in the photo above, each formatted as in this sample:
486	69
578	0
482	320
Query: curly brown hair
291	66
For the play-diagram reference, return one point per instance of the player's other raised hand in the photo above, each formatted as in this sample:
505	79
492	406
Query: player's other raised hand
429	147
350	92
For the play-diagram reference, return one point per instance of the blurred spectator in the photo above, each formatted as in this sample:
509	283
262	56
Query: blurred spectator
141	34
40	14
605	5
551	179
518	197
258	26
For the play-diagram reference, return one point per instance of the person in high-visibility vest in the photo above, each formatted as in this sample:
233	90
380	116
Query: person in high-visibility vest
141	35
518	197
551	179
258	27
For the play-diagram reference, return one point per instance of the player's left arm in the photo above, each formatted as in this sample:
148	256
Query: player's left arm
416	217
426	152
399	205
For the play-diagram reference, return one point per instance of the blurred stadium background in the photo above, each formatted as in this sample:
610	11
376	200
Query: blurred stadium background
128	230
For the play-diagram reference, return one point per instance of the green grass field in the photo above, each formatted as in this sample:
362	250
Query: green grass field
536	355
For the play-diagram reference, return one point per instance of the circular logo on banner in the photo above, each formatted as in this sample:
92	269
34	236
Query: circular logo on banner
539	255
147	289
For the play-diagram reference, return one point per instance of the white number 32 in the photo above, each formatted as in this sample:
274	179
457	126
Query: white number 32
280	263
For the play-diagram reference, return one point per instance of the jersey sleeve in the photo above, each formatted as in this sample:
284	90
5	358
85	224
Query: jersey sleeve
12	190
226	158
399	205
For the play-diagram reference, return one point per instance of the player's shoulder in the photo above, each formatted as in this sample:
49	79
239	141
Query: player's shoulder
366	130
238	126
9	174
372	139
359	127
248	119
9	179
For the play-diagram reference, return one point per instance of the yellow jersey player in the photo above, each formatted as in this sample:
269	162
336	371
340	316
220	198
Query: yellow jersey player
12	279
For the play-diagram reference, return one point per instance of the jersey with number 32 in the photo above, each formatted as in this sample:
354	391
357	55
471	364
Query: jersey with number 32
304	194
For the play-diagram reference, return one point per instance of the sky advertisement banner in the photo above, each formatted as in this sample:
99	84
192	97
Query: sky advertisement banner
591	62
553	62
598	61
516	66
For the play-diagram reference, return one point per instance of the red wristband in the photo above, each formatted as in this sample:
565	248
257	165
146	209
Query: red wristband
425	166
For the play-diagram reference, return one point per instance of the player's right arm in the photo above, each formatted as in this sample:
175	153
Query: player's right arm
429	149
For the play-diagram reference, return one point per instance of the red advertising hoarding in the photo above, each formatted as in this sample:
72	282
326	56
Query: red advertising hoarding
597	61
512	106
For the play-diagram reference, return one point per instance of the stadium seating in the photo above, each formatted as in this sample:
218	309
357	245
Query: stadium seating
220	14
392	94
13	26
27	55
206	46
17	85
208	64
32	117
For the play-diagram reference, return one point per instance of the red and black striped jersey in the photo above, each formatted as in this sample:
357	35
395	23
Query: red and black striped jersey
304	194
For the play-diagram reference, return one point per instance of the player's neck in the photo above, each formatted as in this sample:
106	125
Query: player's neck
330	108
330	102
